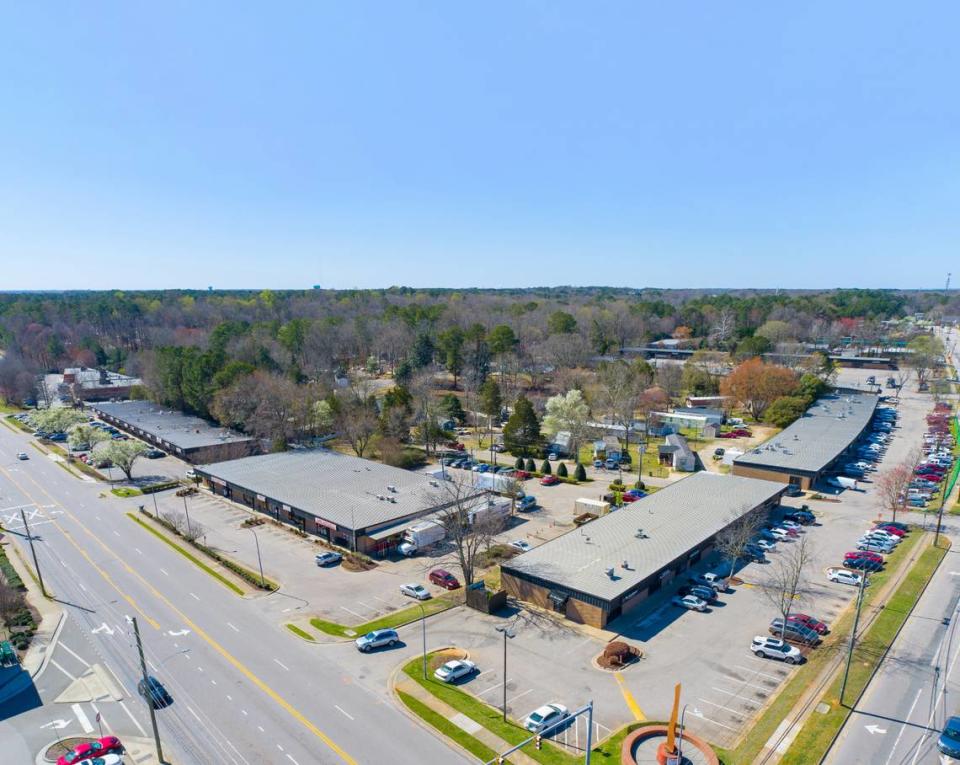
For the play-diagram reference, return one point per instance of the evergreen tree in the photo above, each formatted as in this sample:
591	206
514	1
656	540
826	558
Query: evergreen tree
580	473
521	434
519	463
545	468
562	470
530	466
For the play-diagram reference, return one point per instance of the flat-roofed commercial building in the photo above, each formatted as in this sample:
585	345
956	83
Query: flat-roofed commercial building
352	502
802	453
609	566
190	438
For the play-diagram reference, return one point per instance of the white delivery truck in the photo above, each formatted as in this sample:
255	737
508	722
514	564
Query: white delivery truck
843	482
490	511
496	482
420	536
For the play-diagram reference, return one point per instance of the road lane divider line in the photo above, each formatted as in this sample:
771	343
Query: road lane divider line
82	718
229	657
628	697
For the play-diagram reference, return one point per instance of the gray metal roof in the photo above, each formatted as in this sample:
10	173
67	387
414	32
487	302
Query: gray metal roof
679	444
336	487
175	427
673	520
816	439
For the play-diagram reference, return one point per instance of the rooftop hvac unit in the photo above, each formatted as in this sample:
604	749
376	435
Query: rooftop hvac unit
610	572
381	497
392	488
434	483
393	500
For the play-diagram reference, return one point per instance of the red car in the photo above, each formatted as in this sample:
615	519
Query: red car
932	477
444	579
727	435
864	554
743	432
82	752
521	475
810	623
549	480
629	497
890	530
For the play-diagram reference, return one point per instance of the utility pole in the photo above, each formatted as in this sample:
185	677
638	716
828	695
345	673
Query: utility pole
148	695
189	532
423	624
259	561
33	552
507	633
853	633
943	499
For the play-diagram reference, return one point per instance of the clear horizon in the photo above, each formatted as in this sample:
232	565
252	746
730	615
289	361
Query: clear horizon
520	144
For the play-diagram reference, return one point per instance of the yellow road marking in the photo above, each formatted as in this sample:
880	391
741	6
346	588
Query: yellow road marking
628	697
283	703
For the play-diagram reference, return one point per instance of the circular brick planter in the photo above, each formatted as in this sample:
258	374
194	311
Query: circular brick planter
649	734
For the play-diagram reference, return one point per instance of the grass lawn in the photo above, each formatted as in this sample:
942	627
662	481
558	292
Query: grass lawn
186	554
811	743
299	632
764	727
477	748
487	716
6	408
396	619
125	491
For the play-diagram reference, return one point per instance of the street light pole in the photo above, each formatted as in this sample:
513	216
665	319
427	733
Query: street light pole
259	560
506	634
148	695
33	552
853	634
680	740
423	624
189	533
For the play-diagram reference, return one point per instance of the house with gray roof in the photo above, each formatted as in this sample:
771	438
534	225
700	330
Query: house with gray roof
608	567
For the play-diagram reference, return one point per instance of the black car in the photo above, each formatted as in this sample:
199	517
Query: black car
803	517
154	454
155	694
793	491
699	590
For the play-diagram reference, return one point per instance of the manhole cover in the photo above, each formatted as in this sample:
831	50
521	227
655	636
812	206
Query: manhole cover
823	707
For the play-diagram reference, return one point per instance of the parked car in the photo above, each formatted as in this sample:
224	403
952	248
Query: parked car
793	491
443	578
526	503
553	457
690	602
455	670
803	517
788	524
521	545
875	547
549	480
949	741
328	558
417	591
377	639
154	693
711	579
154	454
794	631
862	564
701	591
810	623
87	750
895	525
866	554
775	648
545	716
845	576
896	531
765	544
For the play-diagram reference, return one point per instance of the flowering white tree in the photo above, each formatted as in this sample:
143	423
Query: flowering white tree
567	412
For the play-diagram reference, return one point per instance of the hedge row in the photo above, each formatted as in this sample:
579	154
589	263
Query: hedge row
10	575
155	487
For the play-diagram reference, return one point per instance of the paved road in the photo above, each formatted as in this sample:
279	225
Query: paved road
245	691
900	716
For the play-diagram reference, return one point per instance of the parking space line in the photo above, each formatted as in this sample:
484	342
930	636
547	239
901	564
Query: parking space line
762	674
720	724
724	707
628	697
351	612
736	696
529	690
491	688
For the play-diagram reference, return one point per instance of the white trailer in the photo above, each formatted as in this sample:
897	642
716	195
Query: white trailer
420	536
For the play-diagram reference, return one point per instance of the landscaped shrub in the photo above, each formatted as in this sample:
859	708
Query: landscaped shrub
640	485
617	485
530	466
519	463
545	468
561	470
155	487
580	473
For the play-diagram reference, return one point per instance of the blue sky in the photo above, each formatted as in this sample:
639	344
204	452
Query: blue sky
489	144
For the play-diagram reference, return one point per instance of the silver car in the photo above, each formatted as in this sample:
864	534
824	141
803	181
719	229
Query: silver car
417	591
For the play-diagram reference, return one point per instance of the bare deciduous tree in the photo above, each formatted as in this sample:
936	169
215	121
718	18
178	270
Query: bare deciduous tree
892	487
11	601
732	542
785	583
468	528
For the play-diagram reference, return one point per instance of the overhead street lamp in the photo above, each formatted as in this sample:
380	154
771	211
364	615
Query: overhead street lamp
507	633
259	560
423	624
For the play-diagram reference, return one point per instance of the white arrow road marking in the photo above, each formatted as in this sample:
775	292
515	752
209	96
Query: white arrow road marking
171	633
871	729
103	628
56	724
82	718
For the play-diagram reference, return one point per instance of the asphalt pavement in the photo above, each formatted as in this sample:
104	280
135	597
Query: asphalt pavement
245	691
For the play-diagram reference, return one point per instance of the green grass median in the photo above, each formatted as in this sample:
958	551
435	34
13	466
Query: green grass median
477	748
186	554
764	727
390	621
815	737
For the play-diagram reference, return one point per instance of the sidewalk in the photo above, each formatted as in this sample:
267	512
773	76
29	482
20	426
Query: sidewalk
497	744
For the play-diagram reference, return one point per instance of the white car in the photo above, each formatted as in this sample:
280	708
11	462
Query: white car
780	534
791	525
878	536
23	456
544	717
875	546
845	576
327	558
691	602
454	670
521	545
417	591
765	544
775	648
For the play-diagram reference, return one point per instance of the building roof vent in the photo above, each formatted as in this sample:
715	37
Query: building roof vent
392	488
610	572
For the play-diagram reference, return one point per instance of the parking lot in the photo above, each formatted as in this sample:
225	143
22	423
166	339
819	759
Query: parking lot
724	683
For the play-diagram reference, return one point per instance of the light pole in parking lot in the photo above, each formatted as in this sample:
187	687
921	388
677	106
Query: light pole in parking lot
259	561
189	533
423	625
507	633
